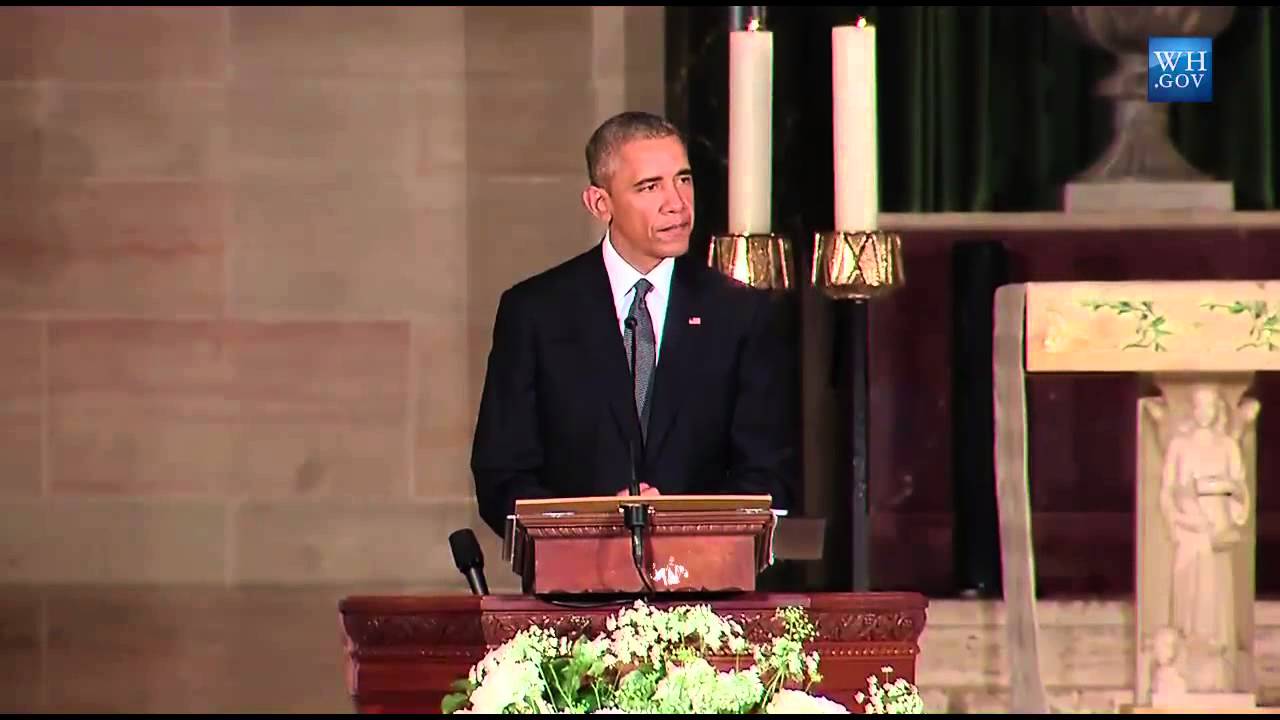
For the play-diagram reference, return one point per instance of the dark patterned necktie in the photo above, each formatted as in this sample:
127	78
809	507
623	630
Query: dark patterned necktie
646	352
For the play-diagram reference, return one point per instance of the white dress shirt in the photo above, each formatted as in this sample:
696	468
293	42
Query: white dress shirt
622	280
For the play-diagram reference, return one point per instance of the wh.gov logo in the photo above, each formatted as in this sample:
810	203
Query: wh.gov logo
1180	69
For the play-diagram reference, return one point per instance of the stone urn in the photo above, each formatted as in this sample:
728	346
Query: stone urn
1141	148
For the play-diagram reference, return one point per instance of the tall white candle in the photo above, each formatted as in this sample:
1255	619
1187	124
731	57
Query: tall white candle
750	131
853	78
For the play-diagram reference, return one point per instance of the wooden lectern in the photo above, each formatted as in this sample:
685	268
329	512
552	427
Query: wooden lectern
690	543
576	562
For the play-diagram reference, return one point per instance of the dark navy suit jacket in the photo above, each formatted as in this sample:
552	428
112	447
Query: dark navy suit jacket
557	414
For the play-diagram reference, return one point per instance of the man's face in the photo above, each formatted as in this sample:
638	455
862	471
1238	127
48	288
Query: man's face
650	200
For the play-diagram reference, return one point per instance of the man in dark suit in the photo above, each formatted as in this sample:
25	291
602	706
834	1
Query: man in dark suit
705	412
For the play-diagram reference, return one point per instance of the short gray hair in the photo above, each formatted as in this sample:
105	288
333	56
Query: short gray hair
617	131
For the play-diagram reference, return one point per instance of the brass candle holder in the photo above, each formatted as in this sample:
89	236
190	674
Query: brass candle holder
761	260
857	265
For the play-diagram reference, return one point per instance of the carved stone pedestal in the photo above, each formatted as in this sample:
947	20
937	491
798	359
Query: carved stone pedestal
1130	195
1202	342
1204	704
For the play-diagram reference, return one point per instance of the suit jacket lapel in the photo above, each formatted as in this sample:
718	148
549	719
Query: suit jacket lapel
676	359
602	334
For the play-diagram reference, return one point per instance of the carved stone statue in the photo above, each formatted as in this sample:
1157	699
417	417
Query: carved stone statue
1196	542
1205	504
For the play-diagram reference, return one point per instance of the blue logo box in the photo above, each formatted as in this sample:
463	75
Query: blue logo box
1180	69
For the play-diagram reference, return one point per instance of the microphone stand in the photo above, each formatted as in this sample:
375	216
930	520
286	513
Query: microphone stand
636	516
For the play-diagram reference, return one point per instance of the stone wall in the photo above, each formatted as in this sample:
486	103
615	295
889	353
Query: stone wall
249	259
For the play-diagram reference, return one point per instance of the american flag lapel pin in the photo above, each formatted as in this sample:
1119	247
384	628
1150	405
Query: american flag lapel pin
695	320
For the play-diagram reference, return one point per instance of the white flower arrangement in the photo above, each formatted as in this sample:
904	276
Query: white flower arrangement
891	698
683	660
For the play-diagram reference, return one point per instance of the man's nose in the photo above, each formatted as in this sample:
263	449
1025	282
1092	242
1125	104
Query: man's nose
674	200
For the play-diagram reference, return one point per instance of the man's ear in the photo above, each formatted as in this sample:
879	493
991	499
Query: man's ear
597	203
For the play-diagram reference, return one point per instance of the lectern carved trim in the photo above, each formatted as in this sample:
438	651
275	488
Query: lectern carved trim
691	529
376	625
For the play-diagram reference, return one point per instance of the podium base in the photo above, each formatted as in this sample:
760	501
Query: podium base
404	652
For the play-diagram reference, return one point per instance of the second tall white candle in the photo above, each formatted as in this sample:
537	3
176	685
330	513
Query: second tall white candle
853	78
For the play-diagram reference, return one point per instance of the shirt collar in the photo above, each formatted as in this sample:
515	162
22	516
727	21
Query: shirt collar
623	277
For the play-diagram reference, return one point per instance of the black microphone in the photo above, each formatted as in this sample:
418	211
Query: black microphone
469	559
636	517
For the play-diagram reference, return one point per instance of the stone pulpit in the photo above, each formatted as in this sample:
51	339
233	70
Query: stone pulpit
1200	343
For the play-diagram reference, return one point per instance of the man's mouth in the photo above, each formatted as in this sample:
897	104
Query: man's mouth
677	226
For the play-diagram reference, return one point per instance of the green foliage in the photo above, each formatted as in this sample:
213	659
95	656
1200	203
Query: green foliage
637	688
1152	328
1265	326
459	698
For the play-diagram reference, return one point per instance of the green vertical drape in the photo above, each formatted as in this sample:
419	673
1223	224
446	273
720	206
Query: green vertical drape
993	109
1234	137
